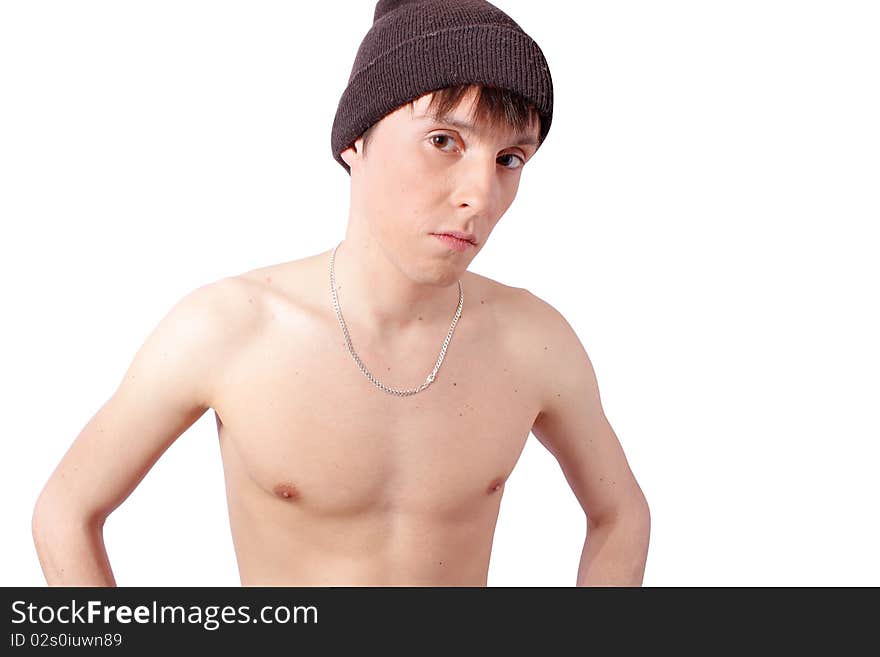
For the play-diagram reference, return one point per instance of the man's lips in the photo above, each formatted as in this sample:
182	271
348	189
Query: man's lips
467	237
453	242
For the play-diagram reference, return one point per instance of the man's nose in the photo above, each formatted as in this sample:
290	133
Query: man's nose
476	184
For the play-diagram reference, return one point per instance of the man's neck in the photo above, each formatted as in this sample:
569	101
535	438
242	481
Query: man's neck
376	296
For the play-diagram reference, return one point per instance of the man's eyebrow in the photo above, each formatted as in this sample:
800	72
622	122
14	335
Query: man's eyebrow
523	140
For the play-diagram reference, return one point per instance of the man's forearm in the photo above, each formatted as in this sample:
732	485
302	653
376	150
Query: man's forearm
71	553
615	552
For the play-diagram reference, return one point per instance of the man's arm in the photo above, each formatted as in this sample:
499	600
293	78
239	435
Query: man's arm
165	390
573	427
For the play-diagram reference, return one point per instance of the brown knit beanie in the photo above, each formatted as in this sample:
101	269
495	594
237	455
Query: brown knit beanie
417	46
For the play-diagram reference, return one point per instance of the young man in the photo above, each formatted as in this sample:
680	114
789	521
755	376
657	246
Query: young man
372	400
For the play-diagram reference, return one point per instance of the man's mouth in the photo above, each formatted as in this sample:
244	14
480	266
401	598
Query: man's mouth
467	237
454	242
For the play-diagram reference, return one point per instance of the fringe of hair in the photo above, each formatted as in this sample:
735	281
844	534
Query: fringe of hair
495	107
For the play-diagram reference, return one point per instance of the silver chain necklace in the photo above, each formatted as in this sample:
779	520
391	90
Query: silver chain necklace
392	391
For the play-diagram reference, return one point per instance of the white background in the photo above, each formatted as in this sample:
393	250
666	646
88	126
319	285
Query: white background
704	214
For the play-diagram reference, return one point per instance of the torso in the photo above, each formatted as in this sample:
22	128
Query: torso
332	482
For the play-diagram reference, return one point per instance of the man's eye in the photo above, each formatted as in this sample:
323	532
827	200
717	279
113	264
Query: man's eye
433	137
515	156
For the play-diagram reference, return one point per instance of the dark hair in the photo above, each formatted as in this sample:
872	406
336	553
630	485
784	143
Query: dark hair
493	106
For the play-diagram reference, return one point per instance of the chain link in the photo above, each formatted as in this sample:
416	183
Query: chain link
363	368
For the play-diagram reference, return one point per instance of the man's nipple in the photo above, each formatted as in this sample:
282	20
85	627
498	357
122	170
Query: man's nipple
495	486
286	491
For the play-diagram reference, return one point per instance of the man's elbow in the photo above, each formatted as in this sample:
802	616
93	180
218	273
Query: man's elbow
641	513
46	522
69	544
53	520
642	520
635	516
44	531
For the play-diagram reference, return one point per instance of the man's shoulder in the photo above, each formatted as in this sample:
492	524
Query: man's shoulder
525	319
235	306
540	332
290	283
488	288
542	313
259	296
281	276
227	308
537	337
519	304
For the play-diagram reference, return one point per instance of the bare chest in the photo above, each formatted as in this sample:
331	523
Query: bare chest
300	423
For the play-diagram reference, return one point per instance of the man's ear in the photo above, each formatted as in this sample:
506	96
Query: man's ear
353	152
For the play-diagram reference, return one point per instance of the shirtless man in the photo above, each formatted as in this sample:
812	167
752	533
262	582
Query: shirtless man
374	473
